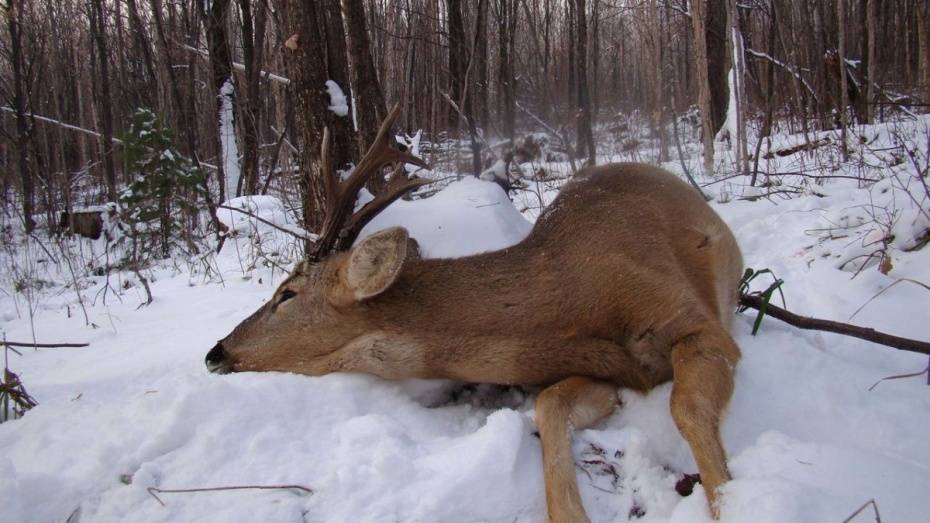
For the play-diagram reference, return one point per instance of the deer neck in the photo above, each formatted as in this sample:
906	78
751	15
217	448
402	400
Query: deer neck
487	292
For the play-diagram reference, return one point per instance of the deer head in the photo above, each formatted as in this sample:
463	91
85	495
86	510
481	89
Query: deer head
317	310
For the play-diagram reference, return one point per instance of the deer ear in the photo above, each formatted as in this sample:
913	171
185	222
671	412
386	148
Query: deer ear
375	262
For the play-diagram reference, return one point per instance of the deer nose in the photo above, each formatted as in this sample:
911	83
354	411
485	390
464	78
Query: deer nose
216	360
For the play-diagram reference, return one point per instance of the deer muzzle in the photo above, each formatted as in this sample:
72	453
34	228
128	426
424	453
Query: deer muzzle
217	361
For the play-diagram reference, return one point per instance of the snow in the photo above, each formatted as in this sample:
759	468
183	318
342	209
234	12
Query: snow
806	438
467	217
230	150
338	103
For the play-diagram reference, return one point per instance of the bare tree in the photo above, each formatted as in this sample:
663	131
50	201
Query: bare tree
253	17
841	63
366	87
216	20
698	20
24	128
585	140
345	146
299	23
104	98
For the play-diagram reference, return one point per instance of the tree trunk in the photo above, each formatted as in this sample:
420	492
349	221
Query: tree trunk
480	65
841	60
506	25
698	19
458	58
658	101
105	102
716	37
369	97
215	21
344	144
739	78
923	48
299	23
585	139
871	76
250	105
24	136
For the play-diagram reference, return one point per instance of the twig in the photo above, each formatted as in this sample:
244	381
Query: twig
153	490
766	195
901	376
864	333
43	345
879	293
878	517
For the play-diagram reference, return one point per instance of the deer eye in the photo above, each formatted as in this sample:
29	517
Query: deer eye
286	294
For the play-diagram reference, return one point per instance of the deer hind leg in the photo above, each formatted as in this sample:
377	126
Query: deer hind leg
573	403
703	366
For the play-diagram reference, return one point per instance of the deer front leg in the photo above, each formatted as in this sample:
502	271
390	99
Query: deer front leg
573	403
703	366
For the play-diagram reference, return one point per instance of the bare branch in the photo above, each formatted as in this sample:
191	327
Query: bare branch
43	345
153	490
863	333
307	237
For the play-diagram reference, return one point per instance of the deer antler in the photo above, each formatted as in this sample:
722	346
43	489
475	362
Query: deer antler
340	225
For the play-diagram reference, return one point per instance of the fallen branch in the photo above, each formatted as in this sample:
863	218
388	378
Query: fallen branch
864	333
306	237
788	151
766	195
153	490
43	345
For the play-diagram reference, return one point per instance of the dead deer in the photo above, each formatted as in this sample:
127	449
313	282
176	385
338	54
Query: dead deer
628	279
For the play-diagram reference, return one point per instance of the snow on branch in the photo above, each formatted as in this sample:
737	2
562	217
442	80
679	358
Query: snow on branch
241	67
61	124
91	132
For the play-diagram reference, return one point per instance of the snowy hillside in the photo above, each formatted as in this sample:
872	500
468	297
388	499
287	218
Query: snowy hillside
807	439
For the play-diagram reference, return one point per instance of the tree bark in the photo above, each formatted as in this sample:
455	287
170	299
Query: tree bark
738	58
250	106
299	23
215	23
841	60
105	101
480	64
24	136
871	59
716	37
345	144
657	98
458	58
705	103
369	97
506	27
585	139
923	48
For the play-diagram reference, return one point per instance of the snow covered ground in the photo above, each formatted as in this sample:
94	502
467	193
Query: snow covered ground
807	440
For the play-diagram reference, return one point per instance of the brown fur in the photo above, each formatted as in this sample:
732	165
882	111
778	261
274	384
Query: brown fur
628	279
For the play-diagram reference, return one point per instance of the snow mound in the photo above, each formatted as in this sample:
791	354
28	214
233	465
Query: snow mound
466	217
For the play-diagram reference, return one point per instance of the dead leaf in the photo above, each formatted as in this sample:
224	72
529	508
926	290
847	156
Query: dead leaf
885	266
293	42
